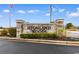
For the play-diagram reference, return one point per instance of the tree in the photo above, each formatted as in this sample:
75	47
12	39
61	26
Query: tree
69	25
12	32
1	27
4	33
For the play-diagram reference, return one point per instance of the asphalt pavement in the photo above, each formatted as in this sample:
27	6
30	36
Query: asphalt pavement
9	47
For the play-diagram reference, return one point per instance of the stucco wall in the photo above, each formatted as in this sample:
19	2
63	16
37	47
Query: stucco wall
74	34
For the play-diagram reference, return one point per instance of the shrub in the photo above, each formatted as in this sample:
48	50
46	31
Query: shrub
54	35
3	33
12	32
40	36
60	32
23	36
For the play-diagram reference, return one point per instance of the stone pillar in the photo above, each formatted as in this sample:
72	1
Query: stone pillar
60	25
19	27
25	28
52	27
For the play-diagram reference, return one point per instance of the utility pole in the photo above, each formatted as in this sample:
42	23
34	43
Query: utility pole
9	20
50	12
54	22
10	7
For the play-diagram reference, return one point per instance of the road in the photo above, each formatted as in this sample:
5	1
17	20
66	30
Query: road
8	47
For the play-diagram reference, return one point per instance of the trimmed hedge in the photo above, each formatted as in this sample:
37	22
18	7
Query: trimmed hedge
40	36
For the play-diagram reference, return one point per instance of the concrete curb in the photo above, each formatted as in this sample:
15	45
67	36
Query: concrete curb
57	42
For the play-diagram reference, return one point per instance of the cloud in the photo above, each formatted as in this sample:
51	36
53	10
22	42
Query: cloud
6	10
61	10
33	11
21	11
78	9
47	14
73	14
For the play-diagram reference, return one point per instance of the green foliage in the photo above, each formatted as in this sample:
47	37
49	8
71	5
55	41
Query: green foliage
40	36
1	27
4	33
60	31
54	35
12	32
69	25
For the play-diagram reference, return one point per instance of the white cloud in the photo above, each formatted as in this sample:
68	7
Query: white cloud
21	11
78	9
61	10
73	14
6	10
33	11
47	14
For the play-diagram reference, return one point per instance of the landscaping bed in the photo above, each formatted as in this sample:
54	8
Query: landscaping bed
40	36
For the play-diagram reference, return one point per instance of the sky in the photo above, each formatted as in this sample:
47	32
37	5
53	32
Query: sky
38	13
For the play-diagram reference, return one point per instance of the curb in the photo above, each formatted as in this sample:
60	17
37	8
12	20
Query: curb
56	42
